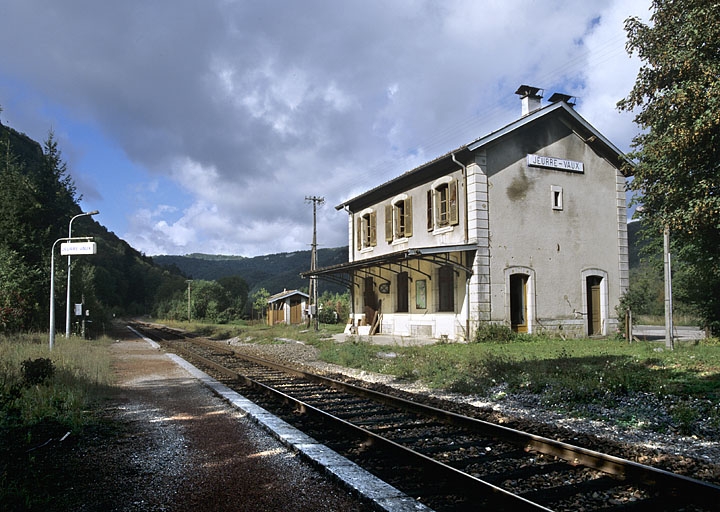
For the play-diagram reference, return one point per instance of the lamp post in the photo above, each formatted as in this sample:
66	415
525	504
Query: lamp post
67	311
52	285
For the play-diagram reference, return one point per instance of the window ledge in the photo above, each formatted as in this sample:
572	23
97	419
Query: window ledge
440	231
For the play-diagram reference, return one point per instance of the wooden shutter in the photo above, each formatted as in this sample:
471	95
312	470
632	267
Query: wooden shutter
408	216
359	231
373	229
430	214
453	216
389	223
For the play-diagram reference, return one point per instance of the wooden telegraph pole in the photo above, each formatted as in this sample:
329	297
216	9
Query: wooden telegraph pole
313	261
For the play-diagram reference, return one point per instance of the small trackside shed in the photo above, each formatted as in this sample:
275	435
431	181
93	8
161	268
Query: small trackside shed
288	307
525	227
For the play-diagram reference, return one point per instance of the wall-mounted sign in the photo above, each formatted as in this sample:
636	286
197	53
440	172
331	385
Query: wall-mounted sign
71	249
550	162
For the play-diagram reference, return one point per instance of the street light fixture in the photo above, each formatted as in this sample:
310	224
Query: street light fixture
67	312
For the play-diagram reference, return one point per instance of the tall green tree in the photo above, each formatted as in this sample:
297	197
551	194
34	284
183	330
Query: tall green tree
676	98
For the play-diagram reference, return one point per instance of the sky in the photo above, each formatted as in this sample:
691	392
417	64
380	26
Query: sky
201	126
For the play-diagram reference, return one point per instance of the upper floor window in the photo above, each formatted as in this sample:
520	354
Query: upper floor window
367	229
556	196
442	204
398	218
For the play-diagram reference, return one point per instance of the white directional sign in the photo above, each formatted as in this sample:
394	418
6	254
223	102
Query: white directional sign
73	248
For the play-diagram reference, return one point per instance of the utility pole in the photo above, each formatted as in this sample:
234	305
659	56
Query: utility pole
669	327
313	260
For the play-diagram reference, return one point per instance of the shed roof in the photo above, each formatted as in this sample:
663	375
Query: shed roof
285	294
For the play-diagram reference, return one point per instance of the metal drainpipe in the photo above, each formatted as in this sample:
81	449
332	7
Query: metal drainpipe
467	281
352	251
464	173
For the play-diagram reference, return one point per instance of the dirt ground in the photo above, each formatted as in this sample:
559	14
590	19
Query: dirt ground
171	445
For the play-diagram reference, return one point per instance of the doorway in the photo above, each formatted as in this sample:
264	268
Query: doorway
518	302
593	286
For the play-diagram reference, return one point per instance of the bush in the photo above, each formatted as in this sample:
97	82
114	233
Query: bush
497	333
37	371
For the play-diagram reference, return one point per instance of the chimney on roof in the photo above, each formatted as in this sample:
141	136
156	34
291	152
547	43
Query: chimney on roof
558	96
530	97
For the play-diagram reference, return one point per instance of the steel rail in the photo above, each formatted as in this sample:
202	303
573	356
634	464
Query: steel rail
464	482
670	483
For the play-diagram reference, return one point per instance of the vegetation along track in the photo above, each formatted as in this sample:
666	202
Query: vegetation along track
445	460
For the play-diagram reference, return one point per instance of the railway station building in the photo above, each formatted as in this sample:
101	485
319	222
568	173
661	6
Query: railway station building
524	227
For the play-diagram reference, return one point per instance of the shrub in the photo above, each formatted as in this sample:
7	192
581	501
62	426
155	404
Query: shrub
37	371
497	333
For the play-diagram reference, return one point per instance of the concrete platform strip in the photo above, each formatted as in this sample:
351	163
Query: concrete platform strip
382	494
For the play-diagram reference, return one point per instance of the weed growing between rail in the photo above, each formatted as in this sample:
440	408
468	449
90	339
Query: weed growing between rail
574	376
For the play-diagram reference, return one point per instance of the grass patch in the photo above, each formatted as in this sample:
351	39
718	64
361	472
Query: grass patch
37	384
43	396
571	375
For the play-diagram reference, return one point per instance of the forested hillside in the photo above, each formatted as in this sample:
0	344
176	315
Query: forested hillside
37	201
274	272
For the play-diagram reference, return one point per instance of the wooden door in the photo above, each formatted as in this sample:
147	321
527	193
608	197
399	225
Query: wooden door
593	305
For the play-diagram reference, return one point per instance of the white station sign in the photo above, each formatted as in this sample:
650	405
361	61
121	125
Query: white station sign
555	163
73	248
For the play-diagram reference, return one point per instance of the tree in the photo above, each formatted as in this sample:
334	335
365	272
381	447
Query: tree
260	300
676	98
17	291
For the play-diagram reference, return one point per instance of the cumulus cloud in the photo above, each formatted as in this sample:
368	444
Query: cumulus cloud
246	108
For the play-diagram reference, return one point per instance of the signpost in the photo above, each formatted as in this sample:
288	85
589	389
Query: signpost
73	248
87	245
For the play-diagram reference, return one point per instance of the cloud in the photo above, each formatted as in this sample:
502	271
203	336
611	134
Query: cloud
246	108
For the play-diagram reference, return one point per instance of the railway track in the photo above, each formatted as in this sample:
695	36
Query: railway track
445	460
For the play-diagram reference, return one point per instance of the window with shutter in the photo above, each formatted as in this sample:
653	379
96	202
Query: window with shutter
443	204
367	231
401	218
453	217
441	196
430	214
389	223
408	224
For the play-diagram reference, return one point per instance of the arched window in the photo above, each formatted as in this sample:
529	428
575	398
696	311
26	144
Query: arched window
367	229
442	204
398	218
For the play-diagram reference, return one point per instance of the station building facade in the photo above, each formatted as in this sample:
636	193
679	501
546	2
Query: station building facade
525	227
